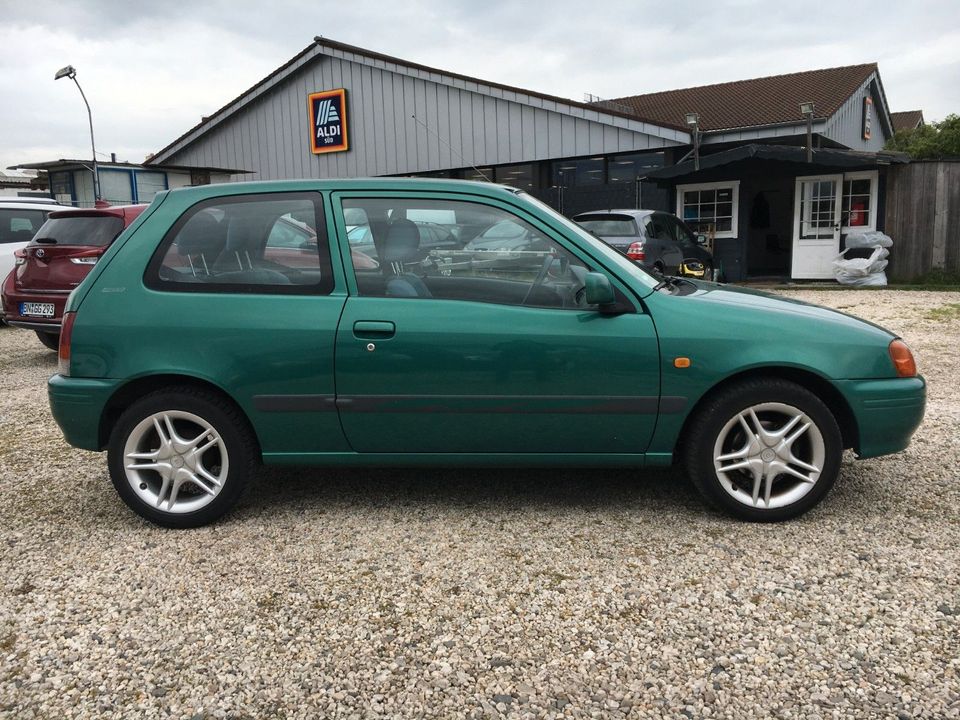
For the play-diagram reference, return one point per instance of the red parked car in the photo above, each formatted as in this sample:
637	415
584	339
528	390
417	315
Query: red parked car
60	255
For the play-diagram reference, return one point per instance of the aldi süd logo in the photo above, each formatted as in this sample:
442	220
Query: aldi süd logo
328	121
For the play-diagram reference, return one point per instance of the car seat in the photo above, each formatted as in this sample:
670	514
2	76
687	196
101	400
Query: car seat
201	241
402	245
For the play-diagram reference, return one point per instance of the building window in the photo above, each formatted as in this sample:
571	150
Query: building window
479	174
627	168
149	184
518	176
859	209
61	187
710	207
578	173
115	186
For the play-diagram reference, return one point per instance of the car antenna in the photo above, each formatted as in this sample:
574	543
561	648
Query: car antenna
429	129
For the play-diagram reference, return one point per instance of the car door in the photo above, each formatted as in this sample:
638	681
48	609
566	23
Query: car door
481	350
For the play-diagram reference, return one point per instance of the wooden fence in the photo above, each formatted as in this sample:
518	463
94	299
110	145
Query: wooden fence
923	218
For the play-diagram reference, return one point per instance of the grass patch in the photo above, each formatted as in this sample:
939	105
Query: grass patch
951	311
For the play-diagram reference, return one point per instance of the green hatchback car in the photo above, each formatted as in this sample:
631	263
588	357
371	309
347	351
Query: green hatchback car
235	324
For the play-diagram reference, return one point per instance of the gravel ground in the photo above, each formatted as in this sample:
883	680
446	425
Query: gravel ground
484	594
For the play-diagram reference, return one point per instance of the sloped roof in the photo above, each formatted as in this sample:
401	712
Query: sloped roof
322	44
906	120
748	103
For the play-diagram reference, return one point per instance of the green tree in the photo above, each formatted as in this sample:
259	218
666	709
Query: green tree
933	140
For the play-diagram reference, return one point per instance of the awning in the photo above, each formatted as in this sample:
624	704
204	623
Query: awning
831	158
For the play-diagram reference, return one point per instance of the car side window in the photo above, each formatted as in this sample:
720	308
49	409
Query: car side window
456	250
652	230
19	225
273	243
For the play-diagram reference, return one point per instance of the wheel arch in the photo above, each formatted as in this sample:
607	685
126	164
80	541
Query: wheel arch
817	384
141	386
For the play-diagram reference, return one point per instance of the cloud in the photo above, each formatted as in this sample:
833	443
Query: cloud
151	70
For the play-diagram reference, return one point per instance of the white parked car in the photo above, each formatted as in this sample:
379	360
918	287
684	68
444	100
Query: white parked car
20	218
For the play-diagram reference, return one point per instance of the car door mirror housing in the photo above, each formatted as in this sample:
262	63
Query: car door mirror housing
701	239
599	290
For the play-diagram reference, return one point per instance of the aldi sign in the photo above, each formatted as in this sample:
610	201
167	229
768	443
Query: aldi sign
328	121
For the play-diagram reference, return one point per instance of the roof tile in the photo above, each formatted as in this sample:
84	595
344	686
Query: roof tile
748	103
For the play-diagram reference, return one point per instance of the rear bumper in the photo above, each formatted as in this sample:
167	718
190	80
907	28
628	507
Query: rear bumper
888	412
12	297
77	405
50	327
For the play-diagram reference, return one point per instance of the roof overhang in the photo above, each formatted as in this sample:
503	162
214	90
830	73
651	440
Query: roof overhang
67	164
823	158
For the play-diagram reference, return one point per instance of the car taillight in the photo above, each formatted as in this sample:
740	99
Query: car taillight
635	251
20	256
63	354
903	360
88	257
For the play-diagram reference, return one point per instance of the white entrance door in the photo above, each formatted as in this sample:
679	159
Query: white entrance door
816	226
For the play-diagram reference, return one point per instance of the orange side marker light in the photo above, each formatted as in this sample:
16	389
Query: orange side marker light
681	362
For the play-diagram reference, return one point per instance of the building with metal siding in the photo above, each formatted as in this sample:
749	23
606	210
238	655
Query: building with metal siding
762	212
404	119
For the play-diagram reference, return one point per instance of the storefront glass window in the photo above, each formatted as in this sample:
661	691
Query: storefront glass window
627	168
518	176
578	173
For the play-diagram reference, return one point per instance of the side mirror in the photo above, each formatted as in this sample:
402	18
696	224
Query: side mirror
701	239
599	290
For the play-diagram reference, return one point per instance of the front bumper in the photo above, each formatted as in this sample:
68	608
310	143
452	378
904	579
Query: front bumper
77	404
887	412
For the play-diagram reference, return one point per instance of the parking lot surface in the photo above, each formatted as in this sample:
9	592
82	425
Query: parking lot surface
452	593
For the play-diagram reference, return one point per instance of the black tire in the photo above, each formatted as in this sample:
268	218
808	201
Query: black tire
236	437
715	419
50	340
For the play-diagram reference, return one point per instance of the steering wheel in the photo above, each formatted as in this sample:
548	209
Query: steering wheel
541	276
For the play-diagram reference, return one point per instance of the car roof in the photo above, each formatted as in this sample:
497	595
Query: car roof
472	187
27	200
631	211
20	204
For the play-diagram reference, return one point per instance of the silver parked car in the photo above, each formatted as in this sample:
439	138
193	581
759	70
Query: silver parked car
656	240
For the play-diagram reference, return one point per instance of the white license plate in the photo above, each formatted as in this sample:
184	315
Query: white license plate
36	309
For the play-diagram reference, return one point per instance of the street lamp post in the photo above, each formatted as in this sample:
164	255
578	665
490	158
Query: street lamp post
71	72
806	110
693	122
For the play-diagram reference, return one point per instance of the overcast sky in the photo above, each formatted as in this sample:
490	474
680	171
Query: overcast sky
151	69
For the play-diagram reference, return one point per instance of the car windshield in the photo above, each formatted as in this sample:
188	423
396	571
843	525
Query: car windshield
615	258
91	230
609	225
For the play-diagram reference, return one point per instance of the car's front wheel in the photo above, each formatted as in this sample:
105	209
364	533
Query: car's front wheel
181	457
764	450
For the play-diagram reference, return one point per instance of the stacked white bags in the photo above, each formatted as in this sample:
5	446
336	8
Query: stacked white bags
864	271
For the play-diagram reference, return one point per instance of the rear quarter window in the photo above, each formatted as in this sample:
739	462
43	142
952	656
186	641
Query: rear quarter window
269	244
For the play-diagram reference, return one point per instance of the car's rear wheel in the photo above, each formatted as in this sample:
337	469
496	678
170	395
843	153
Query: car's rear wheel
181	457
764	450
50	340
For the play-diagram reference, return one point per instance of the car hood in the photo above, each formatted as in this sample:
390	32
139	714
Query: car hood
728	330
737	298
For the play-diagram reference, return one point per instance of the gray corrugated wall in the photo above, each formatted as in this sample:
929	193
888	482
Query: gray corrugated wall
846	125
270	135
